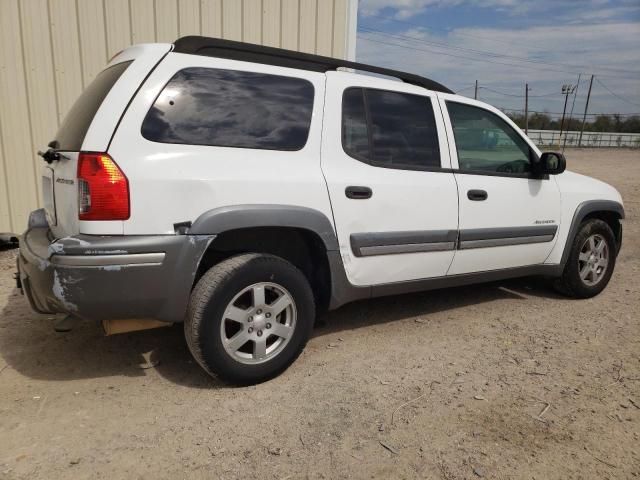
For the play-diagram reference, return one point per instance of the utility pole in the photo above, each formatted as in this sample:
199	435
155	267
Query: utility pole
475	96
526	109
567	89
586	107
573	104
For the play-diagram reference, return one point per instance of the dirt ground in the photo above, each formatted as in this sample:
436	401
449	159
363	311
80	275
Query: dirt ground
504	380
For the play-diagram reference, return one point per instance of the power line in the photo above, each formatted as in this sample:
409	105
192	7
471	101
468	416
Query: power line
403	38
534	111
448	30
491	53
441	44
553	94
483	60
458	90
615	94
465	50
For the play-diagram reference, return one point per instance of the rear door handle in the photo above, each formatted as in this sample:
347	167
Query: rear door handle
477	195
358	193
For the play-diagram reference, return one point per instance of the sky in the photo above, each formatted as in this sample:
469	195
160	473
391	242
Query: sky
506	43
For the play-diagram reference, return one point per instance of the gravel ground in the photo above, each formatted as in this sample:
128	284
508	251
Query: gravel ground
504	380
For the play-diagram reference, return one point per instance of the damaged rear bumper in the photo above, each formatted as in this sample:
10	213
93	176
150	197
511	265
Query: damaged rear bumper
110	277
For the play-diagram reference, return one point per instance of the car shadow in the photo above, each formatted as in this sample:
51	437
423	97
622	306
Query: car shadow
366	313
29	345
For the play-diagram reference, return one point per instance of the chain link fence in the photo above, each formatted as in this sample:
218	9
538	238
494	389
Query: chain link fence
549	138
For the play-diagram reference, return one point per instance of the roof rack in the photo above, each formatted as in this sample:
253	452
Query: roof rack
247	52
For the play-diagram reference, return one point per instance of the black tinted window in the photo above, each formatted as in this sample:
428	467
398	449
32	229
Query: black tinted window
390	128
75	125
205	106
485	142
354	124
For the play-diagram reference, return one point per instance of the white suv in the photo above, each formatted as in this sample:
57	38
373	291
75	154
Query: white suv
240	189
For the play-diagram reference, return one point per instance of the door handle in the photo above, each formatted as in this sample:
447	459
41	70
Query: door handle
477	195
358	193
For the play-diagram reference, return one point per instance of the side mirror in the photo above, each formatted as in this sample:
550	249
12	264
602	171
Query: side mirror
551	163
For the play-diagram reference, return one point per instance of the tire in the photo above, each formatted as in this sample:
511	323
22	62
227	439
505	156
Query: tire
571	283
223	312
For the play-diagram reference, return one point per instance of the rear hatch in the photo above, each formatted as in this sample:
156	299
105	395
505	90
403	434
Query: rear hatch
89	126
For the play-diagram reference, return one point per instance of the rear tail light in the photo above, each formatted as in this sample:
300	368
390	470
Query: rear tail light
103	190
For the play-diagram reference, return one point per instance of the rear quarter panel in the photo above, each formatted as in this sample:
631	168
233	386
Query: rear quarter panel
145	57
172	183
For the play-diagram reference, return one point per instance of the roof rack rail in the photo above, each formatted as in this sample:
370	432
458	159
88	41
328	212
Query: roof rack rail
247	52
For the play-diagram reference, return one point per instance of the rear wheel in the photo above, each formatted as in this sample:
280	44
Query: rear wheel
591	261
249	318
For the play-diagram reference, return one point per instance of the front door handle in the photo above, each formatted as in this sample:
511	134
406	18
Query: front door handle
477	195
358	193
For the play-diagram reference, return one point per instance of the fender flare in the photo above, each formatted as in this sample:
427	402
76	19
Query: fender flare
222	219
584	209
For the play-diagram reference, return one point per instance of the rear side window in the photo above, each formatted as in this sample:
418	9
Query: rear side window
389	129
75	125
228	108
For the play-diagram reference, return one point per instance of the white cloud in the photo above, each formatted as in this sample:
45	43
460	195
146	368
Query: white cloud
405	9
588	9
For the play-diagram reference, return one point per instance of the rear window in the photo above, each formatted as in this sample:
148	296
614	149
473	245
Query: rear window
228	108
75	125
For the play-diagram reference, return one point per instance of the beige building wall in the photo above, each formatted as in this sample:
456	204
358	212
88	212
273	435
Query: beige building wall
51	49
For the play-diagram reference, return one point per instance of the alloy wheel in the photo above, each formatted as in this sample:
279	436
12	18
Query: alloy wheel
593	259
258	323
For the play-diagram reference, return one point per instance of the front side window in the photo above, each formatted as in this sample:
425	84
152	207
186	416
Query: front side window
389	129
486	143
228	108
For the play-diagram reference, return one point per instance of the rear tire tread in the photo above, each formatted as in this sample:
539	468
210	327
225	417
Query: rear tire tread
212	283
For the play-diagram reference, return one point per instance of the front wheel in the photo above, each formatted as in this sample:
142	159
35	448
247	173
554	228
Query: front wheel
591	261
249	317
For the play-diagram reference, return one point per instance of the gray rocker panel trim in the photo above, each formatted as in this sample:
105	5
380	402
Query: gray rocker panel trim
462	279
498	237
343	291
382	243
584	209
234	217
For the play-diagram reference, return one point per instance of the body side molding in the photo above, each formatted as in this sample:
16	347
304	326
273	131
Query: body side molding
234	217
384	243
381	243
507	232
496	237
